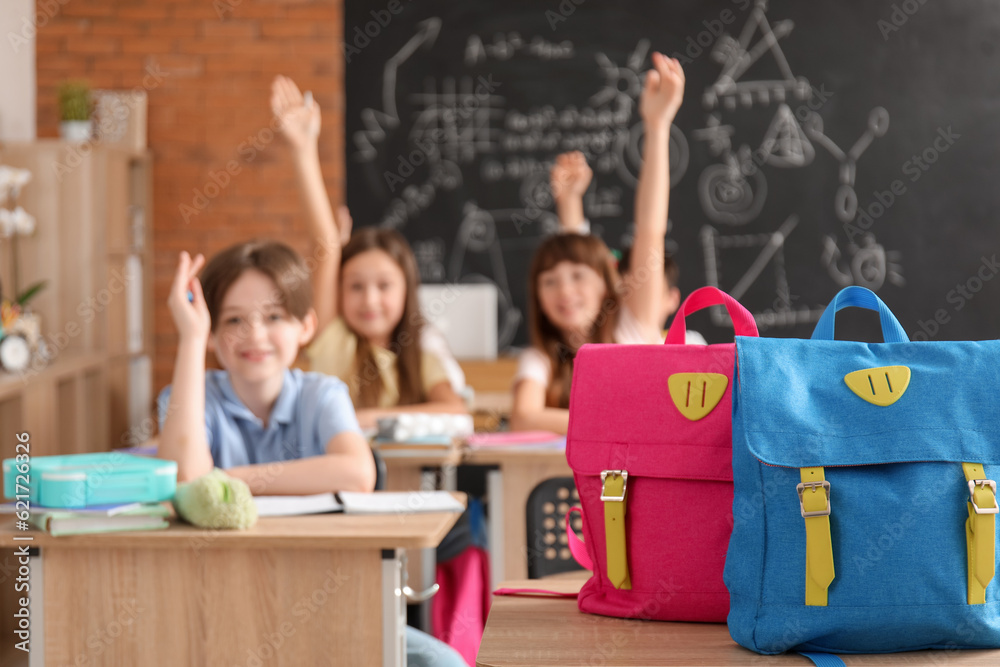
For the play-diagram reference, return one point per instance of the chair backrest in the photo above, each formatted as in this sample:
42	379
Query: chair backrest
548	544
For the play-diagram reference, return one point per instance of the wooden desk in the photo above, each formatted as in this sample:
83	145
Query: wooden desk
293	591
406	469
520	469
551	631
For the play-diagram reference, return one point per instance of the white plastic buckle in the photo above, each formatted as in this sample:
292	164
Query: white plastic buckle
614	473
812	485
973	483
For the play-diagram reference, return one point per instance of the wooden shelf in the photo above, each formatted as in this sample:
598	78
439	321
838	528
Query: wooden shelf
67	365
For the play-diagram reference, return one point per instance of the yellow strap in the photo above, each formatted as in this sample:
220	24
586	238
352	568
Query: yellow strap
614	530
980	535
819	546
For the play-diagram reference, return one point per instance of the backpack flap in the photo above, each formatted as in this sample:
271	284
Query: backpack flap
624	417
808	403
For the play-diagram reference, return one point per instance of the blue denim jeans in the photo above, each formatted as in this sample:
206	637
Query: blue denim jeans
422	650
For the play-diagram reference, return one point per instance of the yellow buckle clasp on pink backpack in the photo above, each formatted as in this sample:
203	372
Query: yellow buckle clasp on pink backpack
613	484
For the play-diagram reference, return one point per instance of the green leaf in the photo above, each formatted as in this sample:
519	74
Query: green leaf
30	293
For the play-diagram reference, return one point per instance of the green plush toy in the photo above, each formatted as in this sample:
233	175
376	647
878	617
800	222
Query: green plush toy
216	500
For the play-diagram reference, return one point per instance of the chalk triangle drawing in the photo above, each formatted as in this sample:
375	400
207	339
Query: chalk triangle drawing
737	56
785	143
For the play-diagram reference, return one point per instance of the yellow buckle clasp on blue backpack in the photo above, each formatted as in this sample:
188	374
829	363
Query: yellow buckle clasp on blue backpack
980	531
813	485
604	481
973	483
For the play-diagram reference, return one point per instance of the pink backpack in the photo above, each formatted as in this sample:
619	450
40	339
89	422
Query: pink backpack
650	445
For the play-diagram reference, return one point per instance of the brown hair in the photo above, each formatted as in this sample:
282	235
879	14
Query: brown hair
578	249
275	260
670	269
405	339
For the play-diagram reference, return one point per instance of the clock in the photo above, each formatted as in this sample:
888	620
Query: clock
15	354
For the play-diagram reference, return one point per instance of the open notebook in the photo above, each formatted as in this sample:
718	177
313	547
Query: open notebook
296	505
380	502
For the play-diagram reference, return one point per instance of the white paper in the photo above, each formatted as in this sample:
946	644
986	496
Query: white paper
399	503
295	505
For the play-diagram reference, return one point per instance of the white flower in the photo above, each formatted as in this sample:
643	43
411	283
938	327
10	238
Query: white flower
21	177
11	182
23	222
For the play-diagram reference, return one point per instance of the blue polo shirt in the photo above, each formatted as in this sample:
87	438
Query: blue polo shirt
311	409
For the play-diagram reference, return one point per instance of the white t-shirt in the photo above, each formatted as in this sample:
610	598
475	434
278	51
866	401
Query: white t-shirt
533	364
433	341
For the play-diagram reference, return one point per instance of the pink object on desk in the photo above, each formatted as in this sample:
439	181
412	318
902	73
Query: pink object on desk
512	438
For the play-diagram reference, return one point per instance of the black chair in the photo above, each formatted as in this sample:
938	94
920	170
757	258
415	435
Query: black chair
548	544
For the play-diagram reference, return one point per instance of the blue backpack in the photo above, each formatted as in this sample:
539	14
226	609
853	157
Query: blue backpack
865	502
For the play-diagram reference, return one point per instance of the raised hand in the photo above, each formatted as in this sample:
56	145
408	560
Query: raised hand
190	316
570	176
663	92
300	121
344	223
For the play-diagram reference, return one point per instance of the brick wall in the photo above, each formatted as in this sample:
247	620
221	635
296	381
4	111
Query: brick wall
208	66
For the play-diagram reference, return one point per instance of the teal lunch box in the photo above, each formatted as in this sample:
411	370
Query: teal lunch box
99	478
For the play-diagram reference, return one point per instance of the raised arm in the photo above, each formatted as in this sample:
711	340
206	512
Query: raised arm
183	438
300	123
570	177
661	98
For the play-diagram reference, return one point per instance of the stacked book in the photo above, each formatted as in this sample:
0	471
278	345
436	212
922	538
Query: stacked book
96	518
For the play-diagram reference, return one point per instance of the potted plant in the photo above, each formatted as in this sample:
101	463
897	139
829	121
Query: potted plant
75	107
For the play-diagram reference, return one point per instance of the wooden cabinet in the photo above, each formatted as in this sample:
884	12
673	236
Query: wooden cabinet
92	205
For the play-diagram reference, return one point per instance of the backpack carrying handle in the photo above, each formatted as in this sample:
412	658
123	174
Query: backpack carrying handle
705	297
859	297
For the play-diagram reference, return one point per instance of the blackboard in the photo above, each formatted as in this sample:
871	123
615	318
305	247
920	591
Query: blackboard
820	144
